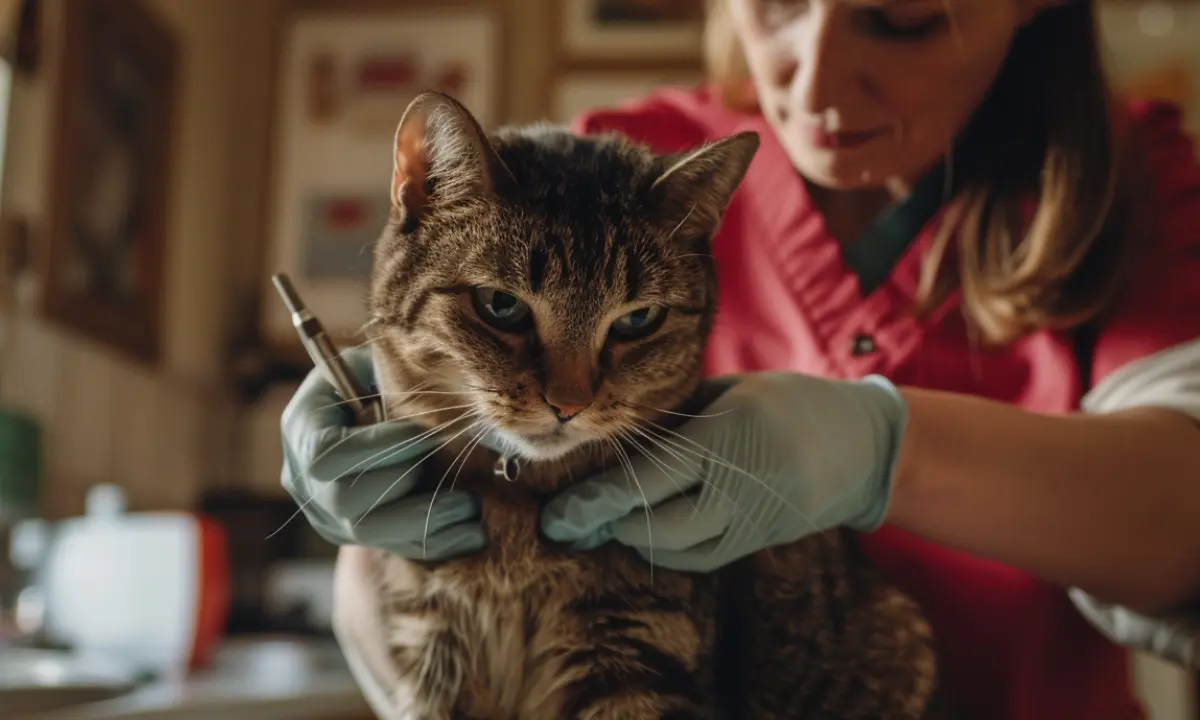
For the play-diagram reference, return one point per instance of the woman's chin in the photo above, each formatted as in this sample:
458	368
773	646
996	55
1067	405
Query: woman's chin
843	169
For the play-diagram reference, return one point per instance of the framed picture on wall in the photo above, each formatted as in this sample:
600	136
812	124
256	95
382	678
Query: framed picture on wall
346	71
630	31
1152	51
110	179
576	92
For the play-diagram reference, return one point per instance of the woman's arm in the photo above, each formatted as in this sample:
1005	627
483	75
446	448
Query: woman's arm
1108	503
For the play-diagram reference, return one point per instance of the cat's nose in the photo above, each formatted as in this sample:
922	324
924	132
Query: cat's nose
569	385
566	411
565	408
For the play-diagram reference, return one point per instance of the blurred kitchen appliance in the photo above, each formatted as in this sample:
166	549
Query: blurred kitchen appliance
148	589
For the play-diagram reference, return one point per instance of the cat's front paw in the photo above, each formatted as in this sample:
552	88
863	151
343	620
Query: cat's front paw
430	666
412	702
408	705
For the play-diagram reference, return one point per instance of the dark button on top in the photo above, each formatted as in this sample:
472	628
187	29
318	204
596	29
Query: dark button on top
862	344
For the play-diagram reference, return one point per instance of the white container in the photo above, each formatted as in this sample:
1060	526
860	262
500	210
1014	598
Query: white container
148	589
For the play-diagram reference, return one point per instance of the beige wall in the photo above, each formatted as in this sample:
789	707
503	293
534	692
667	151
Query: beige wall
165	434
105	418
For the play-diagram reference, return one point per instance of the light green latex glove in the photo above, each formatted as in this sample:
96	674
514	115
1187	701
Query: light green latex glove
776	457
353	484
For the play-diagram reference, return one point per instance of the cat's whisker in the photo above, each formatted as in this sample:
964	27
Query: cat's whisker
717	494
433	499
723	495
668	470
414	440
368	341
396	394
475	442
682	414
414	391
421	386
415	465
371	323
681	222
404	393
624	434
649	511
392	450
627	466
291	517
351	432
476	388
705	453
398	447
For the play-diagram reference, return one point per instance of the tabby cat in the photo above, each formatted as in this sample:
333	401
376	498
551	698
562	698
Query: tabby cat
557	290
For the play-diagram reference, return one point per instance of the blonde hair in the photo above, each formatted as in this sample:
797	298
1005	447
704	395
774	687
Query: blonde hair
1047	132
724	61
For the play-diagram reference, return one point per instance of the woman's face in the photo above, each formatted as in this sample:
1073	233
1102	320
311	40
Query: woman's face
862	92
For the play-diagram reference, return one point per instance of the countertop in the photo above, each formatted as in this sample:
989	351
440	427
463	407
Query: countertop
259	678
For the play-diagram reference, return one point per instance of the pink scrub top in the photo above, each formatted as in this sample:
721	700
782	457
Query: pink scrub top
1013	646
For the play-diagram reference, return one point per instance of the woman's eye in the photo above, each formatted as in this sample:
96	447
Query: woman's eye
773	13
501	310
639	323
905	24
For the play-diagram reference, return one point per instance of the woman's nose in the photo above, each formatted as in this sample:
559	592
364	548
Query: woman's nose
818	69
784	69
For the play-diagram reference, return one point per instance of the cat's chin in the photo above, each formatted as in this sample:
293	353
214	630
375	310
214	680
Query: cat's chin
543	447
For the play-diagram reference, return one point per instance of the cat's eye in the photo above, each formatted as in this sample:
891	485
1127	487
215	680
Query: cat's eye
639	323
501	310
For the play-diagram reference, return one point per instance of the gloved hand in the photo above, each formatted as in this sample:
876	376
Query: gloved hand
776	457
337	473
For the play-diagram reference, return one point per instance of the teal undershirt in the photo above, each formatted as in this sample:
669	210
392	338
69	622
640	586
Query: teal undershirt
873	255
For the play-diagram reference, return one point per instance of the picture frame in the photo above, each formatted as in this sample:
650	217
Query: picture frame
345	72
633	33
1151	51
576	92
110	181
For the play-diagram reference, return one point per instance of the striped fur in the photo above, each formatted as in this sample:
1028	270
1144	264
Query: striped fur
583	230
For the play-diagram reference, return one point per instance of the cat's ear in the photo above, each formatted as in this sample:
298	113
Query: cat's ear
696	186
442	159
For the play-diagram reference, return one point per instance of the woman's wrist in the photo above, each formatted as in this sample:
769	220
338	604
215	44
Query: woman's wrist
1102	503
888	410
904	497
966	475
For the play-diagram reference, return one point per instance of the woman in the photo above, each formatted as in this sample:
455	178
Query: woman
1030	470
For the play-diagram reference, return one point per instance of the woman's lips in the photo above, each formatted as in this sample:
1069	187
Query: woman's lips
843	139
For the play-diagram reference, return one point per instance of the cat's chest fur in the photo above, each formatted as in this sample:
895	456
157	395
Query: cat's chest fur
503	626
